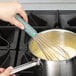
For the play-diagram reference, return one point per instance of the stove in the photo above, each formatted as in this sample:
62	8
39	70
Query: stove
18	40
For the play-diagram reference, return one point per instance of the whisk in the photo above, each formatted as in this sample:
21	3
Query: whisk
49	49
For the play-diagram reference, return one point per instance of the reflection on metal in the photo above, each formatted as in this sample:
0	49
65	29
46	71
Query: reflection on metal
64	39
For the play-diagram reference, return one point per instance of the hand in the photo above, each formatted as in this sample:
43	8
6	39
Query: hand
8	11
6	72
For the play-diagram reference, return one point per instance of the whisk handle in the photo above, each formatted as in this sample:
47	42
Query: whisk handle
27	27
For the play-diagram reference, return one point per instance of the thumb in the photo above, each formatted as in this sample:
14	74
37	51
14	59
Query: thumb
1	70
7	71
17	23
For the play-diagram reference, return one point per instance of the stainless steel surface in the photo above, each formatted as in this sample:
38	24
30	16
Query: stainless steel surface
64	39
47	4
51	68
25	66
56	68
50	49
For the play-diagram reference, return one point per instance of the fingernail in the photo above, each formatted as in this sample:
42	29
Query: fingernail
11	68
14	75
22	27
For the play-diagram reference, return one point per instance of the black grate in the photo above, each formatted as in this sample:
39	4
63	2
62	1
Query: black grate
68	19
10	34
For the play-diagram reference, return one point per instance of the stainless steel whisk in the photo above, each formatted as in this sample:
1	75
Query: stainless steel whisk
48	48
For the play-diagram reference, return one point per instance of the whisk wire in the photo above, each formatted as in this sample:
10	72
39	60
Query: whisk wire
42	49
61	51
49	49
57	46
42	46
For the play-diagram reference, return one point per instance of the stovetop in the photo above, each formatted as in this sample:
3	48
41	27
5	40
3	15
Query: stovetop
18	51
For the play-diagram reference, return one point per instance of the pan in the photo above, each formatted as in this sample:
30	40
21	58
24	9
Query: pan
51	68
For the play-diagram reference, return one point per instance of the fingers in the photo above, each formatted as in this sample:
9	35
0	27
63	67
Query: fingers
22	13
17	23
7	71
1	70
13	75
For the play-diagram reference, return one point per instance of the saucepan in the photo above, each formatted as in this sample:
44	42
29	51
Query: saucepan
52	67
67	40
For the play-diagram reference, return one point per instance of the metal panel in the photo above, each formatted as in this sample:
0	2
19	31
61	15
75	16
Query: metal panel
5	0
49	6
47	1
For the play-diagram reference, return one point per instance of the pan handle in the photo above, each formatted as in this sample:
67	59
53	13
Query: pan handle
25	66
